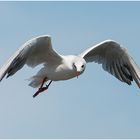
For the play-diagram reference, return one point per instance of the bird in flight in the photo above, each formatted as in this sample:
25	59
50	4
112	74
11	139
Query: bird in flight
113	57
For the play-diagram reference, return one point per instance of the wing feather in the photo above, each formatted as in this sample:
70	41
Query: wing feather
115	60
34	52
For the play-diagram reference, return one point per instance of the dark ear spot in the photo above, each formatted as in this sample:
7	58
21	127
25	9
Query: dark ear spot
74	66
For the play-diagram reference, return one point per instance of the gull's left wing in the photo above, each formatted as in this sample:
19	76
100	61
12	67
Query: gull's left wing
115	60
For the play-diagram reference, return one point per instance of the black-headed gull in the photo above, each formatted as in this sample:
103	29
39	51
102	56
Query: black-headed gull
109	53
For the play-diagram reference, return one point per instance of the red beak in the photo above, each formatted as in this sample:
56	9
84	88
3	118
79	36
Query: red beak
77	73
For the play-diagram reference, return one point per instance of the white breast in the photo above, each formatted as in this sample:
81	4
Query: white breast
61	72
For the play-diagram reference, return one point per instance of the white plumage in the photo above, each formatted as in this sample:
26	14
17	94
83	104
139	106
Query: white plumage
109	53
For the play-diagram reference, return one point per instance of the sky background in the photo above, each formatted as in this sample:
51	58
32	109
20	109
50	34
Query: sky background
96	105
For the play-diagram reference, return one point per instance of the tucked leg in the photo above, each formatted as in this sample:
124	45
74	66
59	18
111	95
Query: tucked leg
41	89
44	80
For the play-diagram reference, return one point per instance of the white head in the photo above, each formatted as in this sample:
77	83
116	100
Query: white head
79	65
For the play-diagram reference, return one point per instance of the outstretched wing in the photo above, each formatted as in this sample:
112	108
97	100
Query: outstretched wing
34	52
115	60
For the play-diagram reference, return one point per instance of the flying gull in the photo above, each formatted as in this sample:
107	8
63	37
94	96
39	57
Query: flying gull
113	57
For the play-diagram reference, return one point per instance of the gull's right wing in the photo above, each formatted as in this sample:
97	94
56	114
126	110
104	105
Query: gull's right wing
34	52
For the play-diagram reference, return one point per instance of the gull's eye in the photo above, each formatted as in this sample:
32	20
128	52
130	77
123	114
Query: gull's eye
82	66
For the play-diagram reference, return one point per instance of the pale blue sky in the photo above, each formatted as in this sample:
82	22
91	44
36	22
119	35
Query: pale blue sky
96	105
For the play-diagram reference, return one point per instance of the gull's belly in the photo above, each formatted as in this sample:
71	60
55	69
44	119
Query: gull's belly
60	74
65	75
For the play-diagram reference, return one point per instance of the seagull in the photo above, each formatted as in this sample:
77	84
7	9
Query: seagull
55	67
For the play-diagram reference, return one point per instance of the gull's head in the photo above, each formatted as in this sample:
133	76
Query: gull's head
79	65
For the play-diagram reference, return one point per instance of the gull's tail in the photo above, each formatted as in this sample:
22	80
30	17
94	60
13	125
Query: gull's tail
36	81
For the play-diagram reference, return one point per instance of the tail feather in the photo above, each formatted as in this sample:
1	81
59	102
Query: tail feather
36	81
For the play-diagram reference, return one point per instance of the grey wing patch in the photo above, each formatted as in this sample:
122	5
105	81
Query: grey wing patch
120	70
16	65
